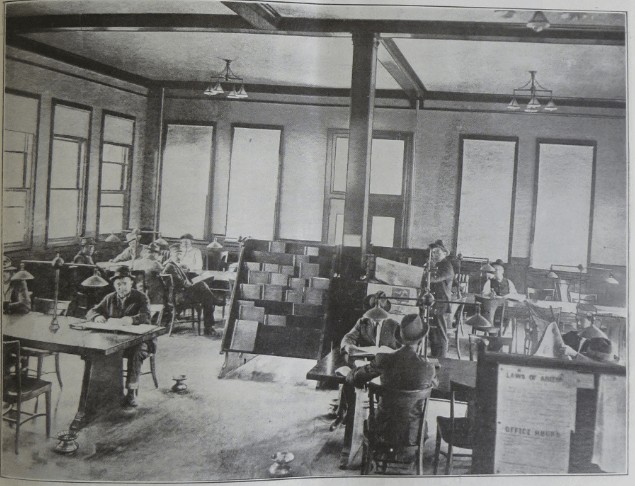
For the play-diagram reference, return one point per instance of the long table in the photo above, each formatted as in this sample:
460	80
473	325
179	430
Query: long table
102	353
460	371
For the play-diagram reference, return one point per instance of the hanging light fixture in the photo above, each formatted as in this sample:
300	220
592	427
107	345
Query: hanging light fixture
232	82
534	90
538	22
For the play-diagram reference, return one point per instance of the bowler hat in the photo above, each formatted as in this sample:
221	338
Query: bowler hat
371	300
187	236
438	244
599	349
498	263
411	329
120	272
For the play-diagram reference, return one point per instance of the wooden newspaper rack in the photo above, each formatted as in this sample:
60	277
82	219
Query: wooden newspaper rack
279	303
538	415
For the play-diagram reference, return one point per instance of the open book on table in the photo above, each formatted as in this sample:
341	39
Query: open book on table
369	351
116	325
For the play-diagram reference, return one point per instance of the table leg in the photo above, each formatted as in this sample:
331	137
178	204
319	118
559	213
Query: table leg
353	435
102	387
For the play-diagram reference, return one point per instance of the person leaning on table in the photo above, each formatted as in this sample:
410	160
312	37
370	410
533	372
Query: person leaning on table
130	307
402	370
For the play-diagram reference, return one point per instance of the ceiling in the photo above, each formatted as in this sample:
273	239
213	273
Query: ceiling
324	60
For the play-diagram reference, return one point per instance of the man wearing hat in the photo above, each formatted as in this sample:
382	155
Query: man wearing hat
129	307
441	278
86	250
150	264
191	258
369	331
404	369
196	293
134	249
497	284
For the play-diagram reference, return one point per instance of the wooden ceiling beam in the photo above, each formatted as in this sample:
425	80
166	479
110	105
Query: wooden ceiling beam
389	56
416	29
259	15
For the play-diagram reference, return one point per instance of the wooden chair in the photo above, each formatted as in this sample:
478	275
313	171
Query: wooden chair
18	388
455	431
540	294
493	310
175	307
156	316
396	446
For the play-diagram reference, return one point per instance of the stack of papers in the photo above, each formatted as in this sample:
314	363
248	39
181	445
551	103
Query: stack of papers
370	351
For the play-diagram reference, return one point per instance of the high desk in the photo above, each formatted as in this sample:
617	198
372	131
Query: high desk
102	353
459	371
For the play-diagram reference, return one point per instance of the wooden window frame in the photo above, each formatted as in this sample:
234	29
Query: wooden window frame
127	191
457	213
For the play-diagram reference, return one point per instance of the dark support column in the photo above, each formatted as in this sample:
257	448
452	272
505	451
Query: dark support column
151	158
360	139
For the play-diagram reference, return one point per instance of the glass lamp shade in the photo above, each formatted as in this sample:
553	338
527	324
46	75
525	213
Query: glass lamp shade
533	105
233	95
209	91
214	245
112	238
22	274
538	22
487	268
376	313
94	281
241	92
550	106
513	105
477	320
552	274
611	280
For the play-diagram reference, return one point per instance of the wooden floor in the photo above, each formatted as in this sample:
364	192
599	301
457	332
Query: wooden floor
220	430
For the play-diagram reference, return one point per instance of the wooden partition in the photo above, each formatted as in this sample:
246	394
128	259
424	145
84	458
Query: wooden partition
279	302
548	416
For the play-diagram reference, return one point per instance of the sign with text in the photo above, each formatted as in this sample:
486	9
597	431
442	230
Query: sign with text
536	409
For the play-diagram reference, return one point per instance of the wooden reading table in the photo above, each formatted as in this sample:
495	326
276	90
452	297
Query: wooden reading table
102	353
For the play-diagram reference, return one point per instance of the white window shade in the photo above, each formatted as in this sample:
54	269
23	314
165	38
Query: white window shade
253	183
563	205
119	130
185	180
20	113
71	121
487	181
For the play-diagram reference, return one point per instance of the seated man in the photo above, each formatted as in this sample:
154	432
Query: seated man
16	298
86	251
196	293
150	265
586	346
367	332
402	370
129	307
191	258
133	251
497	284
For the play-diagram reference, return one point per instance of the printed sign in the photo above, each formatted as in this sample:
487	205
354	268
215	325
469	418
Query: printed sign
536	411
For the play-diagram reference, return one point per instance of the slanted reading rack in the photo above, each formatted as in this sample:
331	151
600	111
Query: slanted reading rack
279	302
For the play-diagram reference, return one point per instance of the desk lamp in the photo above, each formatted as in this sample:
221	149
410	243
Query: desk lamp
554	276
94	282
22	274
376	313
477	319
610	279
215	246
57	263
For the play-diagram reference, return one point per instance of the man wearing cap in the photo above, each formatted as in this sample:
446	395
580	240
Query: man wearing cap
191	257
196	293
372	332
441	278
150	265
129	307
85	254
133	251
497	284
404	369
